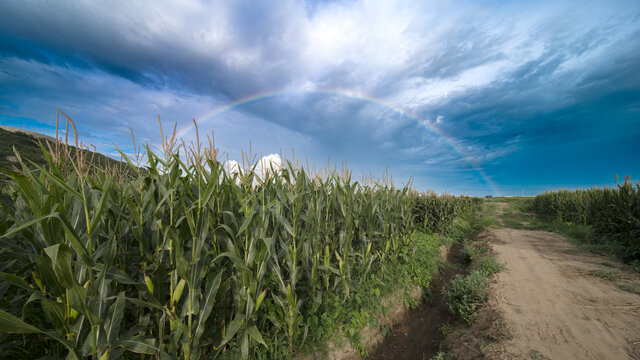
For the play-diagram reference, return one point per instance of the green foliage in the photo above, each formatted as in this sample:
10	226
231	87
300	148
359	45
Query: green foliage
487	222
423	259
612	213
445	329
385	330
468	253
182	259
437	214
185	260
489	265
465	293
630	287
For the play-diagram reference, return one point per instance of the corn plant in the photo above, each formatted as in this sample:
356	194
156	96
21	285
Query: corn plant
613	213
183	258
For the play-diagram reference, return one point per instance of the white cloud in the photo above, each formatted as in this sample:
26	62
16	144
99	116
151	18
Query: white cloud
267	164
232	167
263	167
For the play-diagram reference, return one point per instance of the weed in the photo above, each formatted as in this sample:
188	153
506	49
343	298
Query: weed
534	355
489	265
445	329
481	346
465	293
611	275
469	252
630	287
385	330
428	296
616	277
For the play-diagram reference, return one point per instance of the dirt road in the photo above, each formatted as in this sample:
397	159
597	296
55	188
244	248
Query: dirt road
553	305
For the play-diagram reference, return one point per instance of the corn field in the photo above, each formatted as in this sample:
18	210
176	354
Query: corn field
182	259
436	214
613	213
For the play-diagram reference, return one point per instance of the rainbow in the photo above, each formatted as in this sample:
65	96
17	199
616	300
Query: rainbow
348	94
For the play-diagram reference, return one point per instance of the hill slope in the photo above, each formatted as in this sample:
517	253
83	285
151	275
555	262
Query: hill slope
26	143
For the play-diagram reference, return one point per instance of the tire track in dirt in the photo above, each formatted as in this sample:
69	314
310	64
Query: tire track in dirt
554	308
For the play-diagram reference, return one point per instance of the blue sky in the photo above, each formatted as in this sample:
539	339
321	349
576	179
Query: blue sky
461	96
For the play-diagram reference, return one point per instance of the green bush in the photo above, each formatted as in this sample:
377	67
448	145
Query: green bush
423	258
465	293
489	265
467	254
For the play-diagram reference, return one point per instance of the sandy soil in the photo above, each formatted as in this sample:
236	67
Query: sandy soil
552	305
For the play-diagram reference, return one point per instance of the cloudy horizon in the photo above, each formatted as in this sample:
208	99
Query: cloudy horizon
461	97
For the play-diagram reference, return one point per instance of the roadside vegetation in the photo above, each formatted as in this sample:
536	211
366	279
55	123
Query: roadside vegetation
603	220
182	258
468	291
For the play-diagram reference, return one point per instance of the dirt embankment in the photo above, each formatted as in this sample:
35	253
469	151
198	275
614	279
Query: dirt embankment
553	305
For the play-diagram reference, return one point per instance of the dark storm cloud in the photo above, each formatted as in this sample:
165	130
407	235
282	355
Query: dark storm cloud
142	45
500	81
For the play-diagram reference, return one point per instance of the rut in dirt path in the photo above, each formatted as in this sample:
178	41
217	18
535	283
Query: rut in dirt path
555	308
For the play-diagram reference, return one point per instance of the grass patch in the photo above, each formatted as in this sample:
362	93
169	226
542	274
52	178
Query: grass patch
534	355
488	216
489	265
445	329
490	208
611	275
465	294
516	220
630	287
488	221
616	276
581	234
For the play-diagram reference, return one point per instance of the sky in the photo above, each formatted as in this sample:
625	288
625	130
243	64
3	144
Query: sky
474	97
